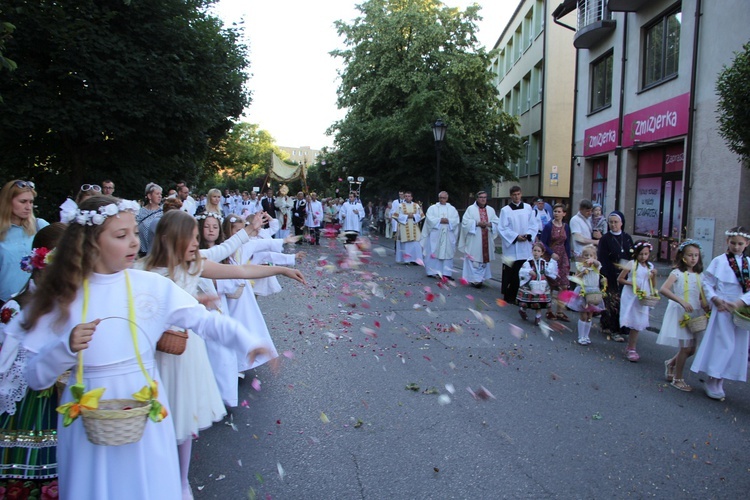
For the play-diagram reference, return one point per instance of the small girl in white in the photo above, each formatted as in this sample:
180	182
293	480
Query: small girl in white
534	291
683	289
637	276
723	350
588	274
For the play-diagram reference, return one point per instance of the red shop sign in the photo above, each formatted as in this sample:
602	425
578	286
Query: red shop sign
660	121
600	139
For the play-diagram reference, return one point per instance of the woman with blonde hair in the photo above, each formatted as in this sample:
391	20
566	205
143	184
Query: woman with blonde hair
17	229
213	201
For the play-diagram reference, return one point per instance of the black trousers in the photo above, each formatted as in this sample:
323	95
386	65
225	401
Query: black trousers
511	281
314	236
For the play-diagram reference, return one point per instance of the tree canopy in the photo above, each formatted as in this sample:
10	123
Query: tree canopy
406	64
733	88
129	90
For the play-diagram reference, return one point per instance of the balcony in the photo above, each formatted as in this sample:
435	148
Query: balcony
626	5
594	23
594	20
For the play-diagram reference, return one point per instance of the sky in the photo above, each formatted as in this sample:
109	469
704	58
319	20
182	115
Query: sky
294	79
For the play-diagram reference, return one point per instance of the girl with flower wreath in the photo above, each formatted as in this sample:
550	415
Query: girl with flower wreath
637	278
188	378
535	272
28	423
723	350
589	280
90	308
684	290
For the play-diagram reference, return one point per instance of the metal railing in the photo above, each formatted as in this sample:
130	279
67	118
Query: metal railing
591	11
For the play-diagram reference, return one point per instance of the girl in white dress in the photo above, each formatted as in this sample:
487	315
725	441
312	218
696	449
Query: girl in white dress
188	378
723	350
83	303
686	300
589	277
638	277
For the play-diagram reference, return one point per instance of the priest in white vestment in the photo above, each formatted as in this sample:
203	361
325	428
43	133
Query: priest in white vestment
391	216
439	237
479	228
518	227
350	215
408	249
314	218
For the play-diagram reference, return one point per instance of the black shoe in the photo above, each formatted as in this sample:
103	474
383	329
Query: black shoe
477	285
450	278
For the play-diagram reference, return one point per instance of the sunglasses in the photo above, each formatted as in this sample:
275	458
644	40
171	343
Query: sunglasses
90	187
25	184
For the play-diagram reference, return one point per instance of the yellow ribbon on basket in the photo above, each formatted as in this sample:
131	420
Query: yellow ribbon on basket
90	400
640	294
686	317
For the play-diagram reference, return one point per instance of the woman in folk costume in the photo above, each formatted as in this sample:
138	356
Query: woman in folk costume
90	305
439	237
479	228
408	234
726	283
28	422
188	378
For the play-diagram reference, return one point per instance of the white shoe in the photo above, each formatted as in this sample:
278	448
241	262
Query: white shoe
714	388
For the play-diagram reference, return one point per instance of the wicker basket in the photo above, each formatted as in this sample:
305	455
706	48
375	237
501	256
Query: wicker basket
697	324
593	298
113	425
172	342
649	301
741	322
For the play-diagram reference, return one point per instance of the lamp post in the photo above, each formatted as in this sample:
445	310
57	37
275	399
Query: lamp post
438	131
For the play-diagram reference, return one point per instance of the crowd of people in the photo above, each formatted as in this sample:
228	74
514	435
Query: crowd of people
118	296
179	271
611	276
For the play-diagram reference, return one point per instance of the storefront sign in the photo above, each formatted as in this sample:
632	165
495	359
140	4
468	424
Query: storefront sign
600	139
660	121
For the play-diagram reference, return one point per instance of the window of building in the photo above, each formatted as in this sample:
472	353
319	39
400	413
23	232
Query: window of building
528	29
599	183
526	92
517	100
517	42
601	82
523	161
538	16
661	48
535	153
537	83
510	59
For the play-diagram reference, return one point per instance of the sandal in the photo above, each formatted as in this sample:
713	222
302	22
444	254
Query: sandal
632	355
523	314
617	337
552	316
669	371
680	385
563	317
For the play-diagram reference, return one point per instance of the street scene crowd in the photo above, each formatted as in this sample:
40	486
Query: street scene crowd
126	325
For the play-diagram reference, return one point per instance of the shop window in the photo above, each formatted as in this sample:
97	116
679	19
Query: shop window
661	48
599	182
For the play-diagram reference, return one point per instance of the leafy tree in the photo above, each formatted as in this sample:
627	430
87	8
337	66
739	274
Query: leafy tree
245	151
733	88
132	91
407	63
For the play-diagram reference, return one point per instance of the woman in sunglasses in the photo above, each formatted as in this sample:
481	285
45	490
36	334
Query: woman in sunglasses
87	191
17	229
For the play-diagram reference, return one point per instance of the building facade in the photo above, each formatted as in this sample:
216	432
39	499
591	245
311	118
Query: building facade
535	83
301	155
645	137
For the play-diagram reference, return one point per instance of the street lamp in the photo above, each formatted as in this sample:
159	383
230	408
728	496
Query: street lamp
358	182
438	131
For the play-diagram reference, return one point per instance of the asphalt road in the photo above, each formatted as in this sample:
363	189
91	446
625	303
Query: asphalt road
385	391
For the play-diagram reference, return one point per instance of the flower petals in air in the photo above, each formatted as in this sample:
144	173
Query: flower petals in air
255	384
516	331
